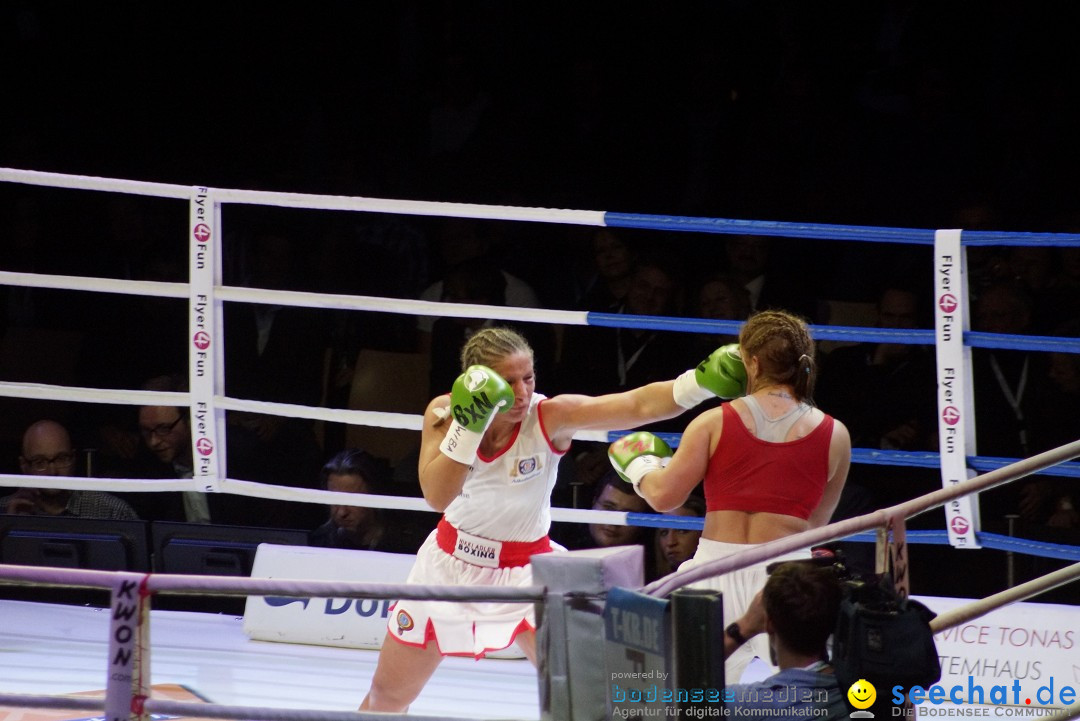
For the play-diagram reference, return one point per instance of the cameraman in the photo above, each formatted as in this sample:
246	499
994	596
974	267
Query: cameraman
798	610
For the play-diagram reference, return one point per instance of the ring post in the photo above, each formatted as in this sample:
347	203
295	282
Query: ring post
573	684
637	651
697	622
128	680
206	348
956	404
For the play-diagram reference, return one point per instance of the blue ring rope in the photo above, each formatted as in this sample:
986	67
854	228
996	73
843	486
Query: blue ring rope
1051	344
974	339
994	541
911	459
824	231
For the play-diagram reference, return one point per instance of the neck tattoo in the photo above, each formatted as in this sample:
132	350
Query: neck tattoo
780	394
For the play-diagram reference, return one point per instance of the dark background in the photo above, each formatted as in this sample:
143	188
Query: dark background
885	113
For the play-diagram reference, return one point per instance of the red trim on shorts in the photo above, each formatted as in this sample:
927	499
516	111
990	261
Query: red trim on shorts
543	430
521	628
514	553
429	635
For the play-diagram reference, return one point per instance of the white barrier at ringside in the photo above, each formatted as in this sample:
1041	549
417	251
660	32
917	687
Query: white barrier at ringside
1024	642
346	622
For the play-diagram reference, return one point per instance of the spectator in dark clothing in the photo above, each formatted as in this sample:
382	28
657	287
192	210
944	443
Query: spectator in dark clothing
1005	380
1053	500
275	353
608	280
672	546
612	494
752	261
165	452
720	297
360	527
47	451
884	392
475	282
1009	388
610	360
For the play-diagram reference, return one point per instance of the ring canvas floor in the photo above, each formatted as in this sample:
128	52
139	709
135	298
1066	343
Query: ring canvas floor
59	649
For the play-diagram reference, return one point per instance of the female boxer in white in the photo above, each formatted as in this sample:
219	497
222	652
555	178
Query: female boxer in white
488	458
772	463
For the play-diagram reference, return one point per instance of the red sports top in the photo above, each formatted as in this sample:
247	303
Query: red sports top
749	474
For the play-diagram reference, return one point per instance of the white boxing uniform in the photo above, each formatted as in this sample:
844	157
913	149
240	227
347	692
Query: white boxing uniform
504	498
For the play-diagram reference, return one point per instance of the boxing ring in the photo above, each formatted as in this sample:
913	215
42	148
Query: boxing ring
132	594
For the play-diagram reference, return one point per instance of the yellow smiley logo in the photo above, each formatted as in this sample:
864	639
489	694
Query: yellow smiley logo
862	694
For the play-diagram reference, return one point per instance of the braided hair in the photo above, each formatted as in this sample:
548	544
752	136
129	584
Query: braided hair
490	345
784	349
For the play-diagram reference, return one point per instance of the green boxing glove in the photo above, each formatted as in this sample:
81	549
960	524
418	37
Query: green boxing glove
476	395
722	374
636	454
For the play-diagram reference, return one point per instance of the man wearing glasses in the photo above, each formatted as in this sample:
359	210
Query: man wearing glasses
166	434
47	451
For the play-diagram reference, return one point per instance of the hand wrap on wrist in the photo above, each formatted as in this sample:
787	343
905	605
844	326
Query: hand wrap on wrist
461	444
687	392
637	469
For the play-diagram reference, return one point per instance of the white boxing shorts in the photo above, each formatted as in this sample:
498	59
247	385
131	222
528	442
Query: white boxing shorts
739	588
467	628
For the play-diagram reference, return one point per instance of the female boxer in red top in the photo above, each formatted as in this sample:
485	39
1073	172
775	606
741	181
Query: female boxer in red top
773	465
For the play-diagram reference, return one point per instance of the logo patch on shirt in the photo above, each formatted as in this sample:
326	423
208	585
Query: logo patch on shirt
404	622
526	469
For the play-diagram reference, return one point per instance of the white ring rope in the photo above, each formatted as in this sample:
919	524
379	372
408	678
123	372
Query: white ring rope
255	489
90	182
80	703
187	709
1026	590
312	202
380	419
155	288
764	552
244	586
46	392
411	207
1065	713
299	299
399	305
398	503
118	485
